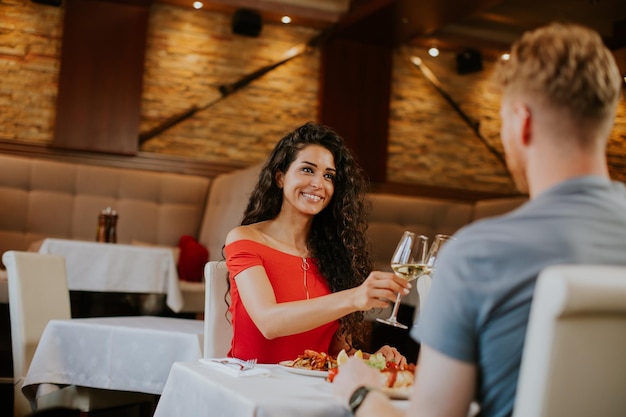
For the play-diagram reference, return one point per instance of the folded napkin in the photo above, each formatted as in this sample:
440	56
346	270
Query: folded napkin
232	370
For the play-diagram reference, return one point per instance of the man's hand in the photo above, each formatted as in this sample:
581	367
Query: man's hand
352	375
356	373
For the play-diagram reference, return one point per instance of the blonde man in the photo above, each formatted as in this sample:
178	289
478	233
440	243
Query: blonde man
560	90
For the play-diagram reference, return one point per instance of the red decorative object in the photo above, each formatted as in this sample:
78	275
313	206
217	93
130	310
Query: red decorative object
193	257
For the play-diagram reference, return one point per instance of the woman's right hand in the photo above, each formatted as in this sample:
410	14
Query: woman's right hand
379	289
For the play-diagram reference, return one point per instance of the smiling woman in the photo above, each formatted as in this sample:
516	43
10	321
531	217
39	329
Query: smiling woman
299	264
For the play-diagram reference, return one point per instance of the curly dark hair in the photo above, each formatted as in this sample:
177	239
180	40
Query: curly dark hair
337	239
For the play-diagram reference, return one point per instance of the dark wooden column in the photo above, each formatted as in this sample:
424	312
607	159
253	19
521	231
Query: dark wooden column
100	79
355	88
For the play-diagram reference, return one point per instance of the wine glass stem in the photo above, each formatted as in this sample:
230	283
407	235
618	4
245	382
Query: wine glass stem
396	306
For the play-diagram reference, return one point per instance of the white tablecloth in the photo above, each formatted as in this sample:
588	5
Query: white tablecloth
194	389
118	353
197	390
107	267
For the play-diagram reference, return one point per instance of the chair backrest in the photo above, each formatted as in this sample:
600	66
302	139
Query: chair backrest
38	293
574	362
218	332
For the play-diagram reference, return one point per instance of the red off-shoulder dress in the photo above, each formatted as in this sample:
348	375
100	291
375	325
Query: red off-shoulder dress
286	275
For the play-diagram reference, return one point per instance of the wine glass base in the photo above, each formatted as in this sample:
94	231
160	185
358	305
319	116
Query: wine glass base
393	323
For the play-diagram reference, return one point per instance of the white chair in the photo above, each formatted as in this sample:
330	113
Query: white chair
38	292
218	332
573	363
31	305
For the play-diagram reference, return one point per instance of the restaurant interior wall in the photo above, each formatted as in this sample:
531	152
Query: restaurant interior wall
191	53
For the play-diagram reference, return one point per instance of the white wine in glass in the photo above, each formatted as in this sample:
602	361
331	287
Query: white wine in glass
410	271
423	284
409	261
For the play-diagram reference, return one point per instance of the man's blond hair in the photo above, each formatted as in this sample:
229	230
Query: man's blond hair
568	66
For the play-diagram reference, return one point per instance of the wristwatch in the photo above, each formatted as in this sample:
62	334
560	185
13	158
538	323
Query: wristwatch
357	397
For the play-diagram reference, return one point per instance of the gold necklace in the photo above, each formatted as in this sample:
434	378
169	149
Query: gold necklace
305	267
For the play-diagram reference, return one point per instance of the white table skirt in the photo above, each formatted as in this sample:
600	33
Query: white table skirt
107	267
117	353
194	389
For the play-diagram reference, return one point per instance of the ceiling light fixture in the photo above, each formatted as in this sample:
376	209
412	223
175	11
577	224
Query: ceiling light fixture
198	5
285	19
505	56
433	52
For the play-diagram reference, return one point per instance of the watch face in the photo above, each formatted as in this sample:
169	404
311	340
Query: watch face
357	398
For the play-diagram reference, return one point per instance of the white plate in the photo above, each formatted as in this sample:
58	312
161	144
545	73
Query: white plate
302	371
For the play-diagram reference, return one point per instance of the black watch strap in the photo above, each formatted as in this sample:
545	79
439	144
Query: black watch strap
357	397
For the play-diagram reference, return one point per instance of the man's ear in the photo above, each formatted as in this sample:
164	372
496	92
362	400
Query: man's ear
523	122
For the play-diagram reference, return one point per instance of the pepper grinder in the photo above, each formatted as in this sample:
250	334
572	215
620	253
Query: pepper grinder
101	235
112	232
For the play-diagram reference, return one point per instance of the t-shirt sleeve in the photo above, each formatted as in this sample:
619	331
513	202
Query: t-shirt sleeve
447	321
240	255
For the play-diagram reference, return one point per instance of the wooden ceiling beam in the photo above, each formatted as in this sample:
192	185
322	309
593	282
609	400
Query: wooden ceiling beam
322	11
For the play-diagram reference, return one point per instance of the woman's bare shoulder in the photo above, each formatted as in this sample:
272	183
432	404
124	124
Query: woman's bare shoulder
247	232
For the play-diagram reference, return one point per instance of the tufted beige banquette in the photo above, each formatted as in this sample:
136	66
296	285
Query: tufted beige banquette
41	198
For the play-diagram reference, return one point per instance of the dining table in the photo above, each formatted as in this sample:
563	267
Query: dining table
204	388
132	353
201	389
120	268
195	389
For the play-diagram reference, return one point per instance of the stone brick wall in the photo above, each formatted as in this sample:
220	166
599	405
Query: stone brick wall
429	141
190	54
30	46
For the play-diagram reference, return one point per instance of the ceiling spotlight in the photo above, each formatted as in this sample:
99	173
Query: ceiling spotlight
433	52
285	19
198	5
505	57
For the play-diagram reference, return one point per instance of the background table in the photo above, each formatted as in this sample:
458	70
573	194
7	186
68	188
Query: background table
117	353
108	267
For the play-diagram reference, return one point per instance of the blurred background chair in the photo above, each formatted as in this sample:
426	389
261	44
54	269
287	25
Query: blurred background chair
218	332
573	363
38	293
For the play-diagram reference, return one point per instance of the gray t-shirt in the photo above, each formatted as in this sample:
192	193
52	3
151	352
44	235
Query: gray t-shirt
477	309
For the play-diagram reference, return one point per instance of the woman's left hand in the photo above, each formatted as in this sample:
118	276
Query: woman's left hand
391	354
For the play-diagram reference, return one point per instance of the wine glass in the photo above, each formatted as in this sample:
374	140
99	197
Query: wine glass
408	262
424	281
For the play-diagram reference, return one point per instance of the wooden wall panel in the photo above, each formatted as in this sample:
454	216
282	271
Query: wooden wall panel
354	99
100	80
